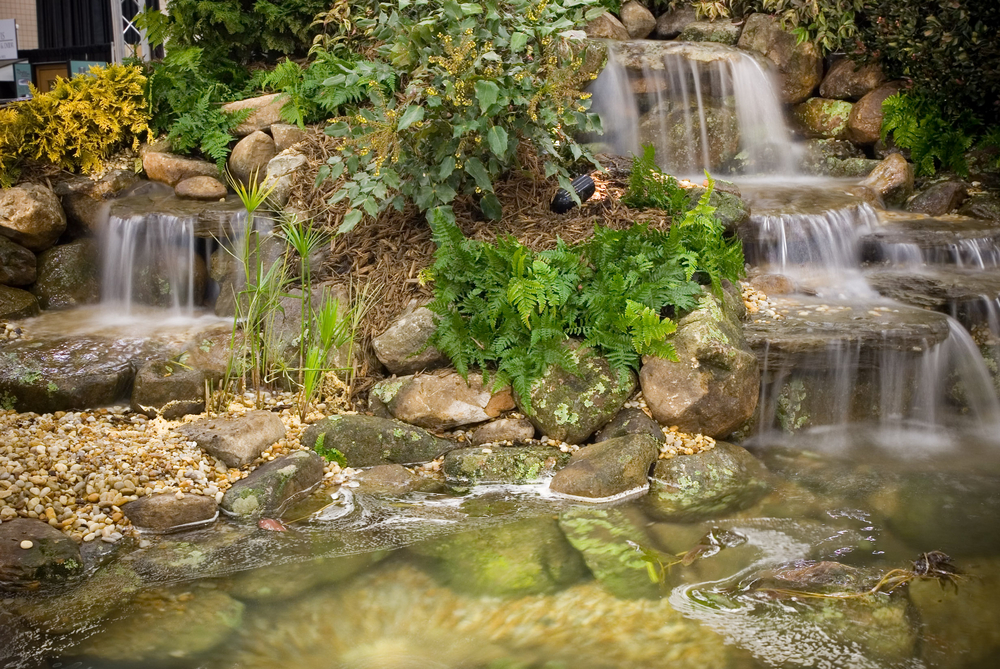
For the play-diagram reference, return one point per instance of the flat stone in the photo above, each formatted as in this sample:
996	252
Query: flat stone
387	480
200	188
938	288
266	111
17	264
720	32
52	557
442	401
165	512
272	486
773	284
86	201
171	169
31	216
630	421
982	205
848	81
514	430
638	20
286	136
939	199
16	304
403	348
607	469
503	464
250	157
367	441
236	441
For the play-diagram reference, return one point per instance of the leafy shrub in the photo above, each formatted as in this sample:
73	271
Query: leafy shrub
918	124
78	123
485	81
648	186
508	310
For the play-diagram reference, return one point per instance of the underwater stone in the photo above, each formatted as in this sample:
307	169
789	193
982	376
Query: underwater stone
503	464
608	468
270	487
52	556
236	441
366	441
286	581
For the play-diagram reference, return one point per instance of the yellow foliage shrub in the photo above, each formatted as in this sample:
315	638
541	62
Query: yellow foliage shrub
77	124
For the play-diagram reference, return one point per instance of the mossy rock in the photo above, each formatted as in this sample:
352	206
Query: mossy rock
272	486
16	304
285	581
513	464
526	557
819	118
68	275
367	441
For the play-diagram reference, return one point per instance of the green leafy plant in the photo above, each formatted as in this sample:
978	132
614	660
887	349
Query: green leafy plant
648	186
919	125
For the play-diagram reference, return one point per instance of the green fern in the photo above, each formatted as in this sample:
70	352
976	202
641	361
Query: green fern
649	187
934	141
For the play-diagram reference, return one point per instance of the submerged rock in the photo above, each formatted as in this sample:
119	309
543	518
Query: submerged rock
366	441
237	441
286	581
529	556
391	480
30	215
32	551
404	349
68	275
272	486
724	479
607	469
442	401
503	464
800	65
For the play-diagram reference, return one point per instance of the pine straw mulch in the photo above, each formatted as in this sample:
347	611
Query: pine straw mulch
382	258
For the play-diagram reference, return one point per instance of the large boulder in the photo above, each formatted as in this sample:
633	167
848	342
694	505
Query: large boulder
503	464
638	21
800	65
171	170
269	489
720	32
17	264
939	199
171	512
607	469
31	216
68	275
864	126
286	136
16	304
265	111
280	174
847	80
681	145
820	118
236	441
671	24
442	401
249	159
721	480
571	407
892	179
403	348
713	385
606	26
200	188
33	552
366	441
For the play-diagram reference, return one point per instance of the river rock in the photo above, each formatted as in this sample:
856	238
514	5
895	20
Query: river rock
68	275
31	216
266	112
606	26
200	188
16	304
982	205
166	512
86	202
865	123
250	157
627	422
281	582
403	348
892	179
569	407
525	557
712	388
513	430
800	65
712	483
281	173
215	551
236	441
731	210
503	464
177	623
272	486
607	469
169	388
286	136
366	441
638	20
442	401
822	118
171	169
720	32
939	199
387	480
846	80
670	24
17	264
32	551
773	284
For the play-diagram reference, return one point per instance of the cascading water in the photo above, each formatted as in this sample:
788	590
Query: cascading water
702	106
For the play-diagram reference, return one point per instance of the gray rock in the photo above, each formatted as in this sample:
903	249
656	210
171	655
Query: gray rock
165	512
606	26
800	65
281	173
17	264
832	148
724	479
200	188
892	179
630	421
272	486
515	430
713	386
982	205
250	157
503	464
638	20
569	407
608	468
68	275
50	557
403	347
366	441
865	123
720	32
266	112
939	199
169	389
730	208
236	441
86	201
848	81
286	136
442	401
16	304
820	118
670	24
171	170
31	216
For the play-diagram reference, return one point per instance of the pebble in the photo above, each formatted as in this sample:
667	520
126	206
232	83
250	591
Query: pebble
683	443
26	544
10	332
